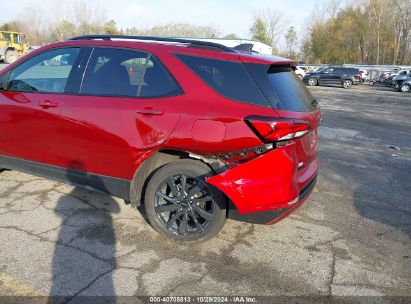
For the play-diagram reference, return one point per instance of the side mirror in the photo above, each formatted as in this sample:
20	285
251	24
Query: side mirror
2	86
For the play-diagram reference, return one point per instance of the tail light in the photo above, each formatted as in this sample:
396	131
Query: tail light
274	129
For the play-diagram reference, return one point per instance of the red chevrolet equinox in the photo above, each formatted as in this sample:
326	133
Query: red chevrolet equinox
194	131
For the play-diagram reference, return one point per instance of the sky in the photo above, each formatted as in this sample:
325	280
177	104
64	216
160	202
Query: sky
229	16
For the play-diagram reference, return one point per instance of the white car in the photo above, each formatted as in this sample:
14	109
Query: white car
364	75
300	72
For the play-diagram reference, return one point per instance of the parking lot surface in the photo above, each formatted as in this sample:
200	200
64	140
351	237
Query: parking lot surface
351	238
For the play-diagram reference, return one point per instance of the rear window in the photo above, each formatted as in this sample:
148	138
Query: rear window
283	89
228	78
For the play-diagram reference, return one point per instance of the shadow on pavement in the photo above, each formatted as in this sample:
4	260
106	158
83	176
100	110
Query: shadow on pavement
85	251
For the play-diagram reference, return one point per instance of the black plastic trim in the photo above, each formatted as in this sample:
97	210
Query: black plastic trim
111	185
191	42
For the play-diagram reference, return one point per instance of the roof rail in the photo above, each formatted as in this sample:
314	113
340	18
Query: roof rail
194	43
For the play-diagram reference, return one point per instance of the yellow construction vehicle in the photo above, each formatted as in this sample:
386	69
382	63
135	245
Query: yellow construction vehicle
12	46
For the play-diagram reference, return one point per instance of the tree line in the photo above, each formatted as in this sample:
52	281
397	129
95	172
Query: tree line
362	32
337	32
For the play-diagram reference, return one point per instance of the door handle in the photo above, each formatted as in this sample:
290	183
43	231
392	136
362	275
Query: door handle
149	111
48	104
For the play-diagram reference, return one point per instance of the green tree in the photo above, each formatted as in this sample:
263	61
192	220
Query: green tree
259	31
110	27
291	41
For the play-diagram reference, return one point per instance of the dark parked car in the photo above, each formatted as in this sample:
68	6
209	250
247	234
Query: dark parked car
195	131
388	81
345	77
400	78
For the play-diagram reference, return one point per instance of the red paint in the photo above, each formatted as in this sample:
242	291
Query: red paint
208	131
267	182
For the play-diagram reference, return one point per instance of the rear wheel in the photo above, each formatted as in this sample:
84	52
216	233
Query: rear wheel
347	84
405	88
11	56
312	81
181	205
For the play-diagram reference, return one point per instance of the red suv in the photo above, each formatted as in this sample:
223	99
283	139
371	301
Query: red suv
195	131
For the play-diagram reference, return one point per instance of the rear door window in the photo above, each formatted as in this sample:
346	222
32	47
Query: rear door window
328	71
122	72
227	78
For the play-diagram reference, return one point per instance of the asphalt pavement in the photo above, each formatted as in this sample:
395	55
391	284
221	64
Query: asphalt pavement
352	238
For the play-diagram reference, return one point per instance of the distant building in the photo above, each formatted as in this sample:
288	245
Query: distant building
258	46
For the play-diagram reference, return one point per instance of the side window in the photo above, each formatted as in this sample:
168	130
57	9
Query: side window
7	36
228	78
339	72
120	72
328	71
45	73
157	81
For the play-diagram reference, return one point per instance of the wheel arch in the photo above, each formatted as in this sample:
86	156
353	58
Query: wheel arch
156	160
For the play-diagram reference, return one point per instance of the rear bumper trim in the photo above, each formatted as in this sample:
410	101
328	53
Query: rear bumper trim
272	216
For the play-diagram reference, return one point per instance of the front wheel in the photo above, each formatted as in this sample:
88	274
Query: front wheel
312	81
347	84
405	88
181	205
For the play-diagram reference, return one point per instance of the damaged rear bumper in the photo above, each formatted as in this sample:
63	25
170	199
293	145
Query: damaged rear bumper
267	188
272	216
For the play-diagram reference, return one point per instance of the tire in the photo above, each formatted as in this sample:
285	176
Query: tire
194	215
405	88
300	76
312	81
371	83
347	84
11	56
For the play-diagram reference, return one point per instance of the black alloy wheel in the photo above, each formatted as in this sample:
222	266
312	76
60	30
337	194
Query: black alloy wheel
182	205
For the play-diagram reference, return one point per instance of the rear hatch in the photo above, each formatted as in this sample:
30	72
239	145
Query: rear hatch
292	101
280	175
